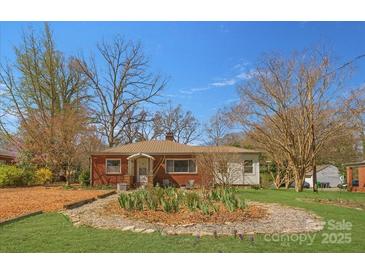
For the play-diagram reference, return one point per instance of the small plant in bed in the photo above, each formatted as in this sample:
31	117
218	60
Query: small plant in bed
175	206
84	178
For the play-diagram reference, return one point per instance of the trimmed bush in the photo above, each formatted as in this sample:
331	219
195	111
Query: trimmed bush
11	175
28	176
43	175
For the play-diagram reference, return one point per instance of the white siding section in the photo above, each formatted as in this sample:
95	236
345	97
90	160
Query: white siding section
242	178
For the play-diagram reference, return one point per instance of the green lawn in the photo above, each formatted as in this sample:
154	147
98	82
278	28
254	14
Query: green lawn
53	232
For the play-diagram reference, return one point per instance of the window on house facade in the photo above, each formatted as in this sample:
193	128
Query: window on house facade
181	166
113	166
248	166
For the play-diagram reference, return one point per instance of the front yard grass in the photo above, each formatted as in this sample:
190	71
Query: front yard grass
53	232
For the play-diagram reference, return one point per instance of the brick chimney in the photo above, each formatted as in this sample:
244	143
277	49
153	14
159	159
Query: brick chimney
169	136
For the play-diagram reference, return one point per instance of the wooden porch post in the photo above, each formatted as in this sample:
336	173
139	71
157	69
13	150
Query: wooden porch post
150	173
129	167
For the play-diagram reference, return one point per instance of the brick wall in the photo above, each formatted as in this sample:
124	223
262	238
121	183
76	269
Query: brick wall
361	186
100	177
178	179
361	176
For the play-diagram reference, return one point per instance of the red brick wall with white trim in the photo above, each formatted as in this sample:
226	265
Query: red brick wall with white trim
99	176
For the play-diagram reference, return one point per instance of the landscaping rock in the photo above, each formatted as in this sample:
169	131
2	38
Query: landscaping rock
149	230
206	233
163	233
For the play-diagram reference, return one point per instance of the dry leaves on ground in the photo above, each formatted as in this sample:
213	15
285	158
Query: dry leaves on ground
18	201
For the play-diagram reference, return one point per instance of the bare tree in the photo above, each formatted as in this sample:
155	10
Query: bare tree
289	106
122	87
41	90
217	128
183	125
132	129
220	168
278	168
356	105
148	130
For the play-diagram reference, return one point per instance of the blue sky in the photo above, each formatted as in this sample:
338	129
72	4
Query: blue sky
203	60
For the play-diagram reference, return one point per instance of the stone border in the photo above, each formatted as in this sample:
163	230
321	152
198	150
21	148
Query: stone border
280	219
23	216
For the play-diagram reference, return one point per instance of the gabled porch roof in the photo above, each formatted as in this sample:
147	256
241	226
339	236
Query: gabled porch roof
140	154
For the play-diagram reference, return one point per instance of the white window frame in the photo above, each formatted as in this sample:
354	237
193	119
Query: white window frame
113	159
182	172
253	167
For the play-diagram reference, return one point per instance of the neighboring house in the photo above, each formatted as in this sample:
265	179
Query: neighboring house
355	176
327	176
7	157
166	162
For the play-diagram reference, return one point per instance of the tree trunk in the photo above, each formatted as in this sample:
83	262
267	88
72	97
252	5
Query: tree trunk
68	176
314	177
314	167
299	187
286	180
299	177
278	181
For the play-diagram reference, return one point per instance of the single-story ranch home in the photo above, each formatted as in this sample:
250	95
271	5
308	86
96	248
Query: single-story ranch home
166	162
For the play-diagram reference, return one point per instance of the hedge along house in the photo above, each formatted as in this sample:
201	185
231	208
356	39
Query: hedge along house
355	176
167	162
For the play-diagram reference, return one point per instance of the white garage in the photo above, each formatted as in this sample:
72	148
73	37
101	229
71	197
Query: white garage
327	176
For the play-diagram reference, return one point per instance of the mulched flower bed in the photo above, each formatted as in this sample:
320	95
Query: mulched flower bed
21	200
107	214
185	216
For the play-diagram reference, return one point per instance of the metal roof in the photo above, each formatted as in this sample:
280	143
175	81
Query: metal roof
170	147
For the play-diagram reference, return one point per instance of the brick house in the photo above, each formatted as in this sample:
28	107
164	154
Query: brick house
355	176
166	161
7	157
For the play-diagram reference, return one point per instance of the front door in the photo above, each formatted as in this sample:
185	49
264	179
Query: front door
142	171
